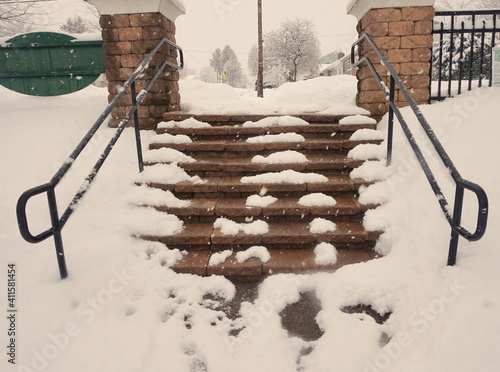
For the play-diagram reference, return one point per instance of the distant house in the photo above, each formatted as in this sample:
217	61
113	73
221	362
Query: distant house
342	66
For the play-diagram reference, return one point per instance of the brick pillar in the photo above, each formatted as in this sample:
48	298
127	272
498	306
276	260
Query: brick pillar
128	38
404	35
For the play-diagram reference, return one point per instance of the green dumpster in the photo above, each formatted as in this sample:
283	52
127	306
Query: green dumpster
49	63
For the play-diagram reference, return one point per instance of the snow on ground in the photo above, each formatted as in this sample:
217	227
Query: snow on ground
334	95
123	310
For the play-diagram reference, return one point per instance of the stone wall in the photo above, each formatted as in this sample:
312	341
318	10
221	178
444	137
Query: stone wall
404	35
128	38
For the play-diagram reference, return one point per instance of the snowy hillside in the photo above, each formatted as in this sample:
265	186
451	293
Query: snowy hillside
123	310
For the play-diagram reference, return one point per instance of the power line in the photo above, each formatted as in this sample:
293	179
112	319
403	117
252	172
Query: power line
351	34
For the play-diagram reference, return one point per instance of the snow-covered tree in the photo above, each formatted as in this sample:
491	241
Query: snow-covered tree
216	62
75	25
79	25
226	62
208	75
470	63
290	51
15	16
232	67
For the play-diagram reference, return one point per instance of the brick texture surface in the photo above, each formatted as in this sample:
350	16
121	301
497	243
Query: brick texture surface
128	38
404	36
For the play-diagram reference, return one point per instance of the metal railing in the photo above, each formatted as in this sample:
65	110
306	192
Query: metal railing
462	51
57	222
454	219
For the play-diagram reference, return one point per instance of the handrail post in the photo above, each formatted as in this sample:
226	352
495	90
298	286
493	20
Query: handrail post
457	218
390	128
137	128
56	226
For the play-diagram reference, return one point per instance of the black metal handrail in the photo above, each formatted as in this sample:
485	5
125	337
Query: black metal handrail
465	63
461	184
49	187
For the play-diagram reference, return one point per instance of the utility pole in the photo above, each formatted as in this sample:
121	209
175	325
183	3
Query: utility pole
260	74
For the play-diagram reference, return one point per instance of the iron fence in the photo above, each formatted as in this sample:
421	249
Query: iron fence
462	50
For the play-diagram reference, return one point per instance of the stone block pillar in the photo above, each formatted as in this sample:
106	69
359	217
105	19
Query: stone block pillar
130	30
403	32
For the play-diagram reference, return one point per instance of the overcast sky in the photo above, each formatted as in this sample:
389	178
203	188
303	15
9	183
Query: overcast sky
209	24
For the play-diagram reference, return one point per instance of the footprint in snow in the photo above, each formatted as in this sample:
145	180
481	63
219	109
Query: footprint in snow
197	363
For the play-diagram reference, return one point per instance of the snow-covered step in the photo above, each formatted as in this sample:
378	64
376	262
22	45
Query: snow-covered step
280	261
277	235
245	182
237	119
261	143
238	131
240	208
213	186
239	166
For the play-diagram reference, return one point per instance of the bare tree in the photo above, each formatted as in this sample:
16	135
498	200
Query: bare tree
491	4
18	16
294	46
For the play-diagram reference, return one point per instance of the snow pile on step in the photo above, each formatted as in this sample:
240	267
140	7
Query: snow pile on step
219	257
378	193
282	157
272	138
317	200
286	176
228	227
367	151
260	201
325	254
357	119
145	195
166	155
188	123
168	257
256	251
371	171
321	226
170	138
283	121
367	135
166	174
152	222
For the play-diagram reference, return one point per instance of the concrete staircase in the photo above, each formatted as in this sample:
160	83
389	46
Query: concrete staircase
223	162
